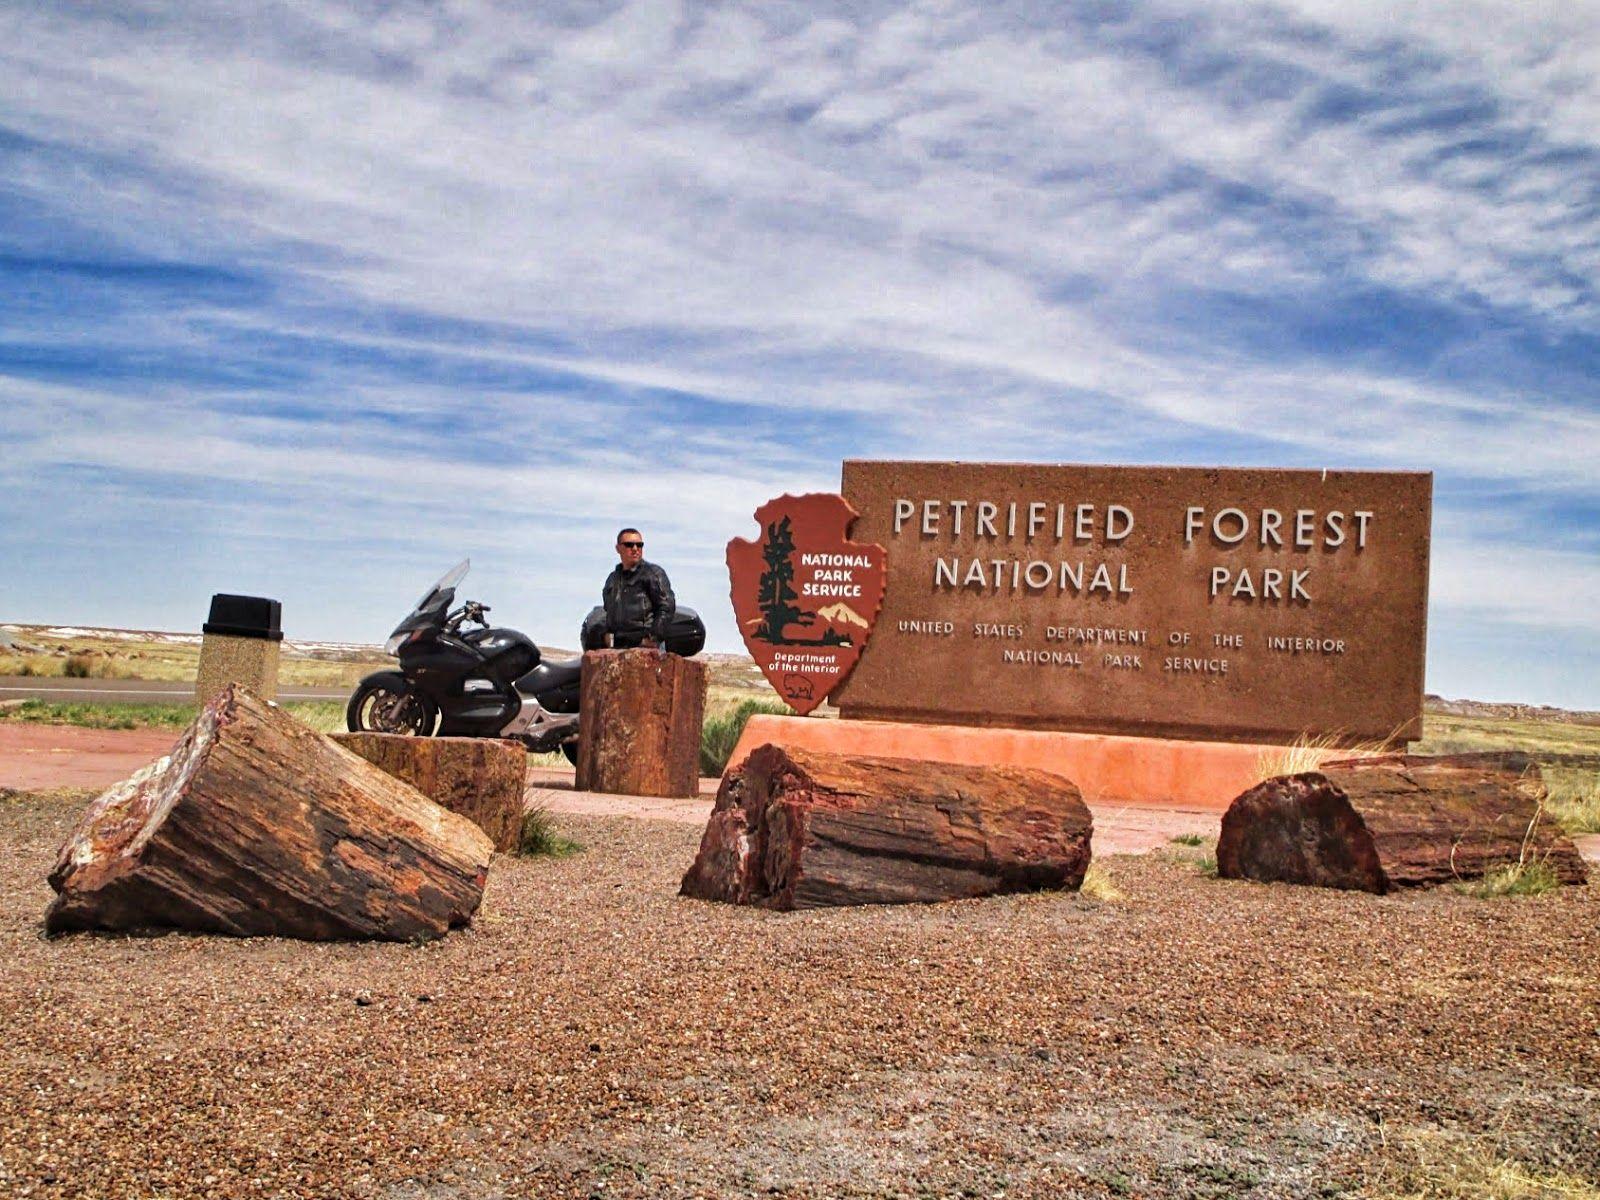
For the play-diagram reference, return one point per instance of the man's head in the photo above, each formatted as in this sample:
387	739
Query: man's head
630	548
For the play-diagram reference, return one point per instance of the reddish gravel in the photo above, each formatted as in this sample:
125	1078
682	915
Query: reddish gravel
594	1035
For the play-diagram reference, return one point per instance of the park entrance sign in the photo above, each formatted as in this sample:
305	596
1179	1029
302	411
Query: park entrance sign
805	596
1241	605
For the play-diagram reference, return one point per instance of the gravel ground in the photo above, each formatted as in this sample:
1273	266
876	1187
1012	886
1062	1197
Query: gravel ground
594	1035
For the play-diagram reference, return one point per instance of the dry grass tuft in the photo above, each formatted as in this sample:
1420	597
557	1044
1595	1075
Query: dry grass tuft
1307	753
1441	1166
1530	875
1097	885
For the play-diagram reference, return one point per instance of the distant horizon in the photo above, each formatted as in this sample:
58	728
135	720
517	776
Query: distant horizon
313	302
723	654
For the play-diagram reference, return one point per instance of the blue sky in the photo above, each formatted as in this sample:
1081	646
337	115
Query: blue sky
314	299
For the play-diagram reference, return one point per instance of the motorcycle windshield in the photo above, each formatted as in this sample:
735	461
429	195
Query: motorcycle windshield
432	609
447	583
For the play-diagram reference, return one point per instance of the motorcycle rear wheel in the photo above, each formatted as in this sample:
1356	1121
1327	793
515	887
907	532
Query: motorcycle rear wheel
387	706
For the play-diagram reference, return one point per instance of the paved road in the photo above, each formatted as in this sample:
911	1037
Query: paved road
132	691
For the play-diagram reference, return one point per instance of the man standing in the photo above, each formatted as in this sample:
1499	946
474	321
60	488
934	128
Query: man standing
638	598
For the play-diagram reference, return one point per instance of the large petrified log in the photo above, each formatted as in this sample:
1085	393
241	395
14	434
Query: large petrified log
482	779
257	825
799	829
1378	824
639	721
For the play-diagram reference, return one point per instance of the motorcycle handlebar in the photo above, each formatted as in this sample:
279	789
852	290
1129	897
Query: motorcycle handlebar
470	611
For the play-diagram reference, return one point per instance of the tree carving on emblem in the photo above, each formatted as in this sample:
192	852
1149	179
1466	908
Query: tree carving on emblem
776	596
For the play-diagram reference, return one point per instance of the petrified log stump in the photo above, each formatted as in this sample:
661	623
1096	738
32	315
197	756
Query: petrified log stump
639	715
256	825
1378	824
800	829
482	779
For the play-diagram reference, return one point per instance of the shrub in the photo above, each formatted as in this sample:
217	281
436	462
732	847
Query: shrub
1189	839
720	733
539	835
78	666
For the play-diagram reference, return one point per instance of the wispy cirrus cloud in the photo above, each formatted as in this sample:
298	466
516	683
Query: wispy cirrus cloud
416	278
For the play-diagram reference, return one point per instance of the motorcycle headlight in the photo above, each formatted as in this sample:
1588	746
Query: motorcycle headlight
392	646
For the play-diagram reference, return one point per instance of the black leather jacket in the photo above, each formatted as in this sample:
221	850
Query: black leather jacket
639	604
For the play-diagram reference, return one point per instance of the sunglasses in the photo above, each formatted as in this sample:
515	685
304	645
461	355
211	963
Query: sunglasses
631	545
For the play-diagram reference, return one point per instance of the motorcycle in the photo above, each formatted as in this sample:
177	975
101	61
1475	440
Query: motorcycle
484	682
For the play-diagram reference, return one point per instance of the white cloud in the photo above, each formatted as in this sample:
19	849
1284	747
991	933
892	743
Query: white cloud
962	221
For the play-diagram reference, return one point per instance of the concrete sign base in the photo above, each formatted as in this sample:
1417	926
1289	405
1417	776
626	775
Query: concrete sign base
1108	768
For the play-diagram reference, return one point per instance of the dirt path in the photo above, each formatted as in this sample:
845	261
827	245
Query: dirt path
67	756
42	757
1118	828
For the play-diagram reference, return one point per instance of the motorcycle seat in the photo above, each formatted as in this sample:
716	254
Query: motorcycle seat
551	673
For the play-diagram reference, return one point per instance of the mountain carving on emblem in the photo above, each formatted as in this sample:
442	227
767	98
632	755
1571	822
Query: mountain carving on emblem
842	614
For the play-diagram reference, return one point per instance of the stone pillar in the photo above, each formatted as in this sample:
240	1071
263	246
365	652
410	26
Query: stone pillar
639	723
241	645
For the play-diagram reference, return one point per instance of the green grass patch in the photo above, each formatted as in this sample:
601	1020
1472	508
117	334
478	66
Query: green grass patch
101	716
1574	799
1207	865
539	836
1445	733
720	733
1532	878
325	716
1189	839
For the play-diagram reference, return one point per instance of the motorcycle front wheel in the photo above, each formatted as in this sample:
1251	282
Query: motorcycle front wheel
390	705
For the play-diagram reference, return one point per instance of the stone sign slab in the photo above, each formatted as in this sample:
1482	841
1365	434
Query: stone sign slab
1218	604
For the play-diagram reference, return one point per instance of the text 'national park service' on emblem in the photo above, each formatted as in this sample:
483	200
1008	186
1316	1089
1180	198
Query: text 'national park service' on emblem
805	596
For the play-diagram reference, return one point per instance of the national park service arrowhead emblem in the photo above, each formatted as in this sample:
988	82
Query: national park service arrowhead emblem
805	596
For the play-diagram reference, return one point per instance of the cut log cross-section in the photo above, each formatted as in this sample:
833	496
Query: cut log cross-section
482	779
640	713
257	825
1397	821
801	829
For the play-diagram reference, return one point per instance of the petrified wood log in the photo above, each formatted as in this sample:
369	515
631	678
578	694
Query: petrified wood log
799	829
639	715
1378	824
482	779
256	825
